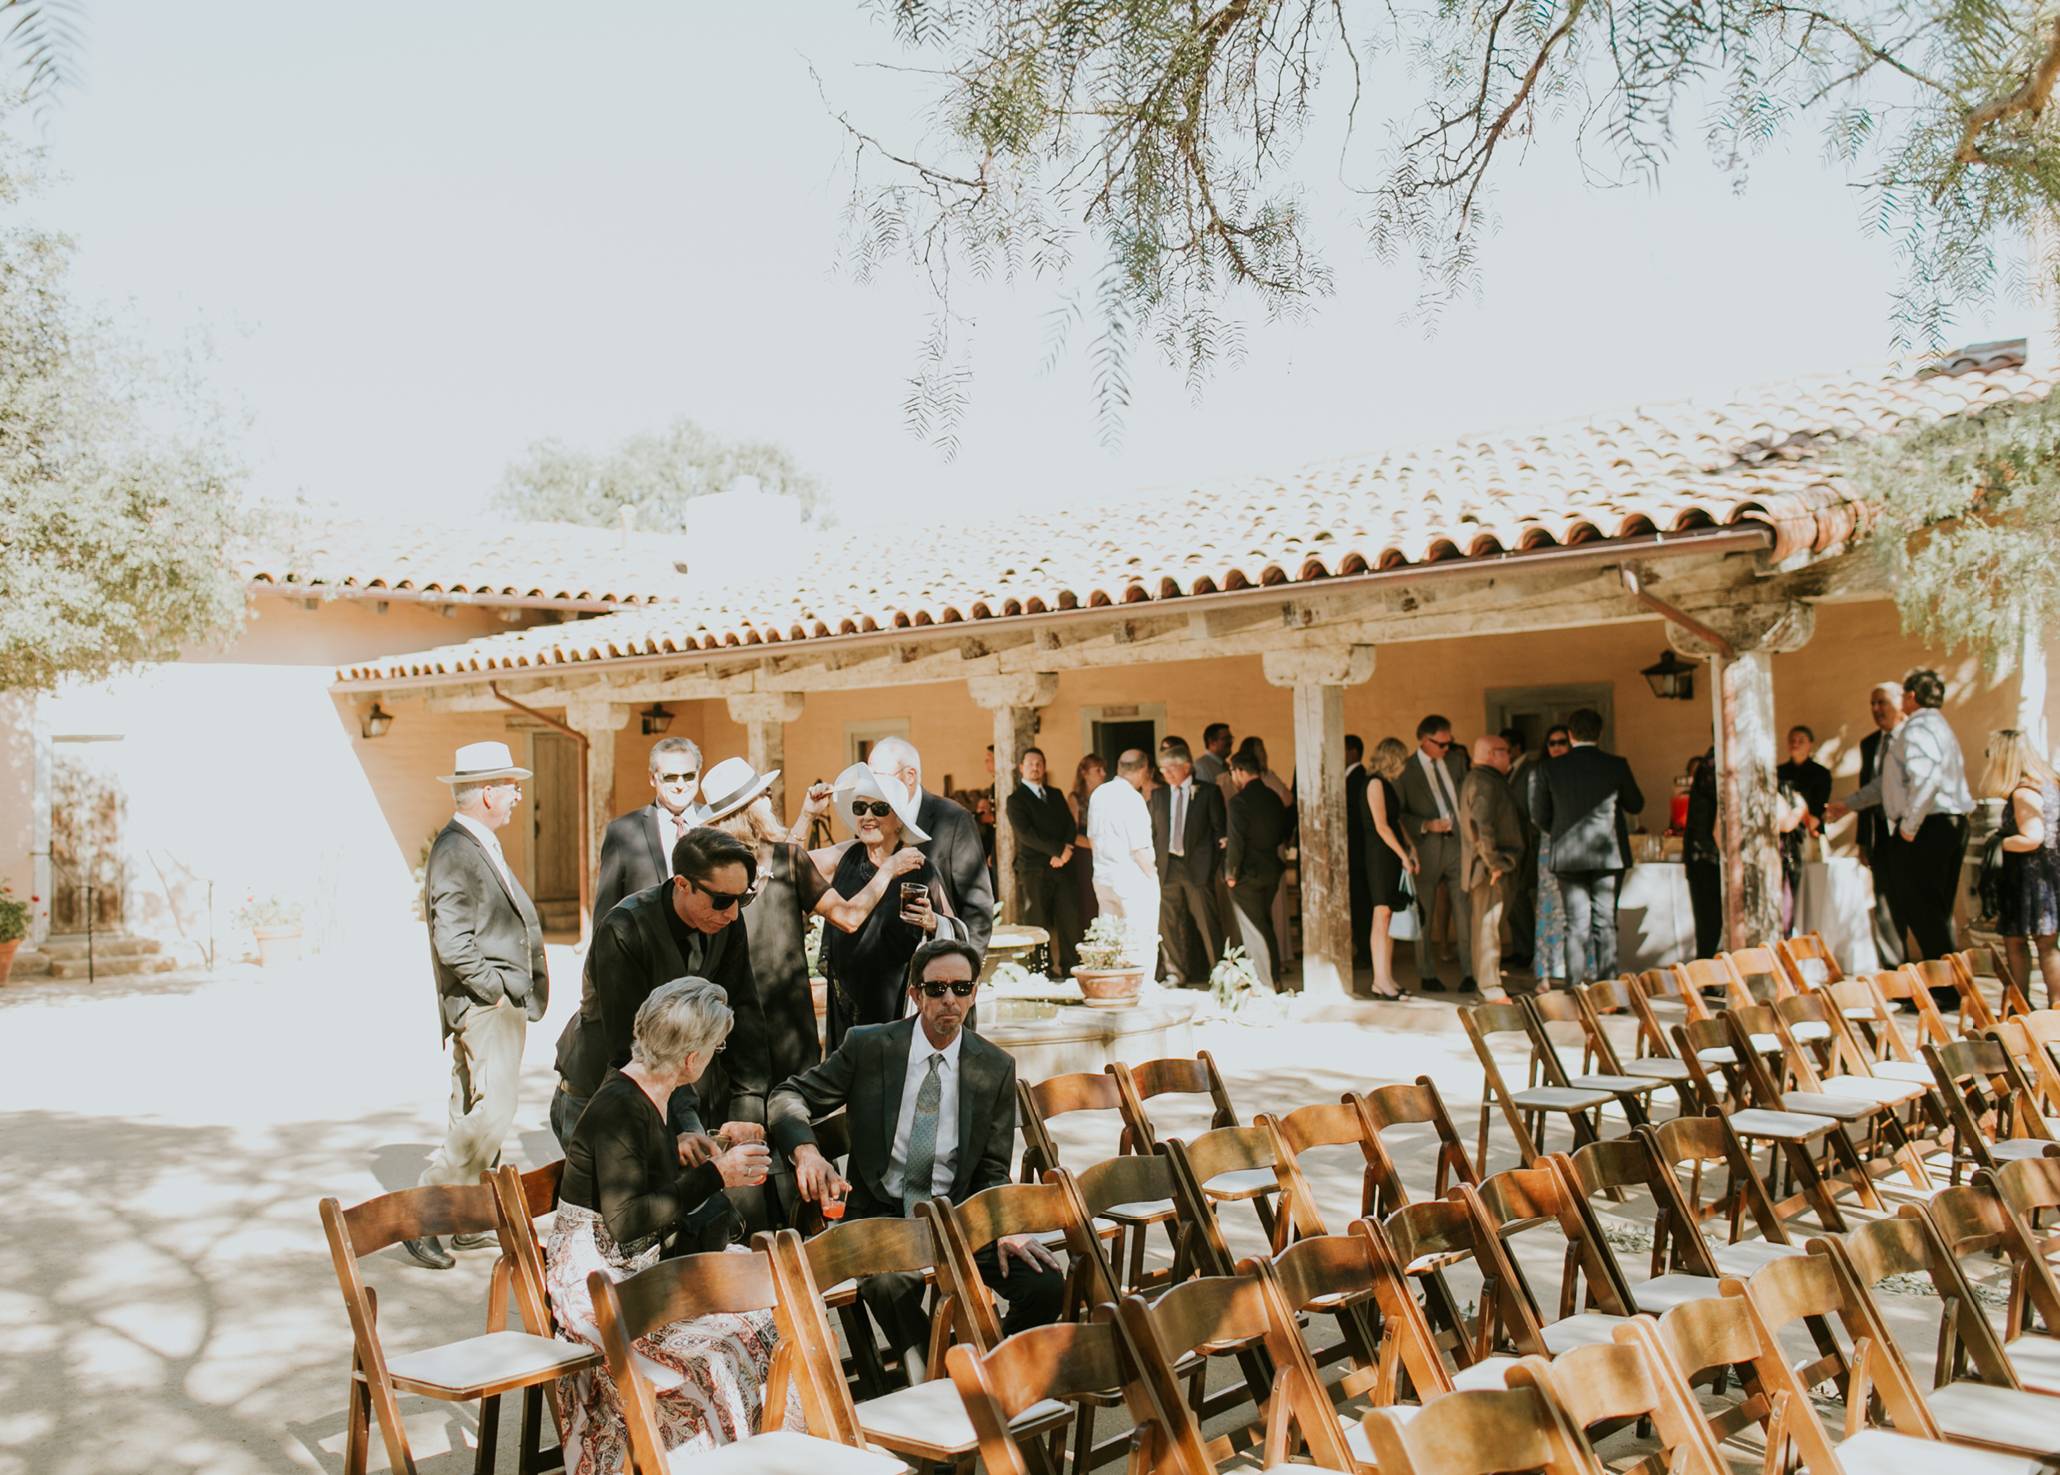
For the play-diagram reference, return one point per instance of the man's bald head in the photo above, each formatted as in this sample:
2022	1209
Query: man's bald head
1491	752
1131	766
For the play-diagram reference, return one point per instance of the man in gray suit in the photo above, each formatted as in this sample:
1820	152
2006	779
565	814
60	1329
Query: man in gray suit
1430	810
487	948
1583	800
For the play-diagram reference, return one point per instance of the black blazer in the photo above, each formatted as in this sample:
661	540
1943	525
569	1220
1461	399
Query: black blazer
954	847
1358	818
1256	826
1582	799
632	953
1871	824
633	859
865	1075
1043	827
1207	824
485	942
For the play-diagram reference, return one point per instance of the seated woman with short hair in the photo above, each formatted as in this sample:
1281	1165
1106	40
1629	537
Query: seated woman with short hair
625	1193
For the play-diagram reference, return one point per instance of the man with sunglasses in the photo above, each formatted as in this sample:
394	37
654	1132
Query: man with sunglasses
931	1109
636	851
1429	786
688	926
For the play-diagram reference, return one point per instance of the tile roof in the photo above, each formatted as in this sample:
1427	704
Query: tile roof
1759	459
542	561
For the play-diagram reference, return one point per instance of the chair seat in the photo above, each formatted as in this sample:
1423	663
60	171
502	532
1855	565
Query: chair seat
1743	1258
1879	1452
1487	1373
1873	1088
1809	1031
930	1422
782	1452
1658	1067
1779	1126
1726	1055
1561	1098
1055	1239
1589	1329
1353	1426
1661	1294
1862	1012
1821	1104
484	1365
1148	1211
2037	1360
2010	1149
1241	1183
1975	1413
1903	1070
1615	1085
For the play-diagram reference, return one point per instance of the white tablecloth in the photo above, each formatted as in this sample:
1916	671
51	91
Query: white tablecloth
1836	898
1655	922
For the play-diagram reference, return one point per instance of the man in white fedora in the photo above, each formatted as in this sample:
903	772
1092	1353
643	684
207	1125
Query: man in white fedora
487	948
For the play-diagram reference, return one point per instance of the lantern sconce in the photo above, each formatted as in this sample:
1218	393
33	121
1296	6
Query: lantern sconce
1673	679
375	722
656	720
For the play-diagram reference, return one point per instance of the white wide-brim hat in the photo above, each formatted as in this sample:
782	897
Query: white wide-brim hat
730	786
860	782
479	763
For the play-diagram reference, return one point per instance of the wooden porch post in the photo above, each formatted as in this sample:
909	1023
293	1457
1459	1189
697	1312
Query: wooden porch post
1014	700
597	722
1318	679
764	716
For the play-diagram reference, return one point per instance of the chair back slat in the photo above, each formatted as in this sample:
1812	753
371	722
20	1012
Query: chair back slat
1065	1361
1909	1244
1037	1104
1480	1432
1416	1104
689	1286
1614	1382
419	1213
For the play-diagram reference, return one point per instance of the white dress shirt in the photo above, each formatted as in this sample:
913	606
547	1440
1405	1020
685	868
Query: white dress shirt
492	842
1176	819
944	1164
1922	774
1118	826
1440	779
671	827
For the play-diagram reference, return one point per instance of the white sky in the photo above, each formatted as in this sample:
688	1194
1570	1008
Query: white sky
423	236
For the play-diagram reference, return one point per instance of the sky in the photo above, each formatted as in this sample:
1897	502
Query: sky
420	238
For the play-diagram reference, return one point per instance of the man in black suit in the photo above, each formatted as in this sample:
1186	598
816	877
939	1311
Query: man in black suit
1583	800
954	846
1042	822
1357	818
1187	835
636	850
1256	826
690	926
931	1110
486	947
1429	786
1885	704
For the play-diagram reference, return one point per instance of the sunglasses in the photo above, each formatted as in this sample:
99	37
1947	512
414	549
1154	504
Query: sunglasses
1557	743
722	901
879	809
1441	743
677	778
959	990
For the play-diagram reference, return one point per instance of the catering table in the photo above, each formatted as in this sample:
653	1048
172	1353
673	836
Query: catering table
1655	921
1836	898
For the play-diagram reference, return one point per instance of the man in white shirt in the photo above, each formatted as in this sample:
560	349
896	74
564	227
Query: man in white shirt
1126	870
1924	800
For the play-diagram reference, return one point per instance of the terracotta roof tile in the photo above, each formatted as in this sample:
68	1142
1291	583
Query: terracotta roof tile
1665	468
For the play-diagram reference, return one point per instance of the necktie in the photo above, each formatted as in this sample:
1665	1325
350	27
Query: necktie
922	1141
1448	799
1177	841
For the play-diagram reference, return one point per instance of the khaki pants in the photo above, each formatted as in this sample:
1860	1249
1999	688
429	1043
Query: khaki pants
486	1070
1484	906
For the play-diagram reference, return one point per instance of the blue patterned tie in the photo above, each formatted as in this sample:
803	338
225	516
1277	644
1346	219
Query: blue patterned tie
922	1141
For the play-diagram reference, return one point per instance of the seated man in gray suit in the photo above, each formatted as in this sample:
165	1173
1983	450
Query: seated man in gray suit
1582	800
932	1111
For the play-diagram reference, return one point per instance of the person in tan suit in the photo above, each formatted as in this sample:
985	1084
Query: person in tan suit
1491	845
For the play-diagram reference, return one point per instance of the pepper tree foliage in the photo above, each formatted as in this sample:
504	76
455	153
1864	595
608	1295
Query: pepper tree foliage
658	475
117	496
1158	139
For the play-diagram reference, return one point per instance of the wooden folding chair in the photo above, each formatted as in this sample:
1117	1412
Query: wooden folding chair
1171	1077
477	1369
1710	1340
1559	1007
1240	1164
519	1282
1428	1239
1525	1109
1300	1411
851	1248
704	1285
1417	1104
1611	1384
1700	978
1325	1271
1134	1193
1518	1201
535	1195
1172	1338
1652	1055
1696	1143
1757	976
2031	1188
1974	1220
1994	1115
1480	1432
2026	1037
1037	1105
1065	1363
1982	969
1871	1025
1809	962
1344	1124
1680	1266
1941	981
1807	1024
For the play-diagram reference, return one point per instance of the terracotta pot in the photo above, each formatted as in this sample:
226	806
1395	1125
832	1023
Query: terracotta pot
1109	988
7	952
277	945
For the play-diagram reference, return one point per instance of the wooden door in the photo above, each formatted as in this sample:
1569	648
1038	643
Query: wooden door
85	847
554	796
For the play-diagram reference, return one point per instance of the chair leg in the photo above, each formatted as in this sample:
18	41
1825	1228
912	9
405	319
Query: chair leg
489	1434
871	1373
1804	1168
357	1426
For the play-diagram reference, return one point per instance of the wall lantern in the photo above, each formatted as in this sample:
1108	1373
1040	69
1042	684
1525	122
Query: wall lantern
656	720
1673	678
375	722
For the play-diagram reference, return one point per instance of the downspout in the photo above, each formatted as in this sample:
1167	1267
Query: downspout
1727	747
586	870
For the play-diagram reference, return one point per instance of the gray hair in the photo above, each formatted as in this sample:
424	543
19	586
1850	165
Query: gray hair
1133	761
676	745
679	1018
895	752
463	794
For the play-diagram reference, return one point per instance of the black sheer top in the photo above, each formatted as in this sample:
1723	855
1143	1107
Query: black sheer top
868	969
623	1163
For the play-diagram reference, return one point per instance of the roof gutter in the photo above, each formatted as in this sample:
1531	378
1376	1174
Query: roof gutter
266	588
1746	538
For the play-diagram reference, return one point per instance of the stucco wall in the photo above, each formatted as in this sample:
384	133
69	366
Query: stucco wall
280	632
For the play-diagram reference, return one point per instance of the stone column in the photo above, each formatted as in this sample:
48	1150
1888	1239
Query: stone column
1749	746
597	722
1318	679
765	715
1014	700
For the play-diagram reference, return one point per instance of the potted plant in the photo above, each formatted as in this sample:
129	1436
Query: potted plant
275	923
14	926
1108	974
1233	980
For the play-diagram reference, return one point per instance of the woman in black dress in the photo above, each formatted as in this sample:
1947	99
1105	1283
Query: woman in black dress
869	941
2029	917
1089	776
1389	857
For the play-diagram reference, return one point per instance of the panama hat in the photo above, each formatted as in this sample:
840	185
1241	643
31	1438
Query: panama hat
730	786
479	763
860	782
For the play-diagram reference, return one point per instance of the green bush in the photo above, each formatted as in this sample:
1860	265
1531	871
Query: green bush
14	914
